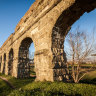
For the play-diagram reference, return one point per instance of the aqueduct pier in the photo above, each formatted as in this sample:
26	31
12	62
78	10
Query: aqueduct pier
45	24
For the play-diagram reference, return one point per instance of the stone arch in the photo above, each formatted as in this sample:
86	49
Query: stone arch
23	58
60	29
10	62
4	64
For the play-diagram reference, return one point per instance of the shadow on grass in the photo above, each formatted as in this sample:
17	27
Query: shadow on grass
19	83
4	88
88	81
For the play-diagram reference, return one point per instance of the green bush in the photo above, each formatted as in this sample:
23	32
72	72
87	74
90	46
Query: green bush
55	89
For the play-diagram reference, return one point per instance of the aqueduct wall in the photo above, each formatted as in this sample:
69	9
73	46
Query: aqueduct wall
45	24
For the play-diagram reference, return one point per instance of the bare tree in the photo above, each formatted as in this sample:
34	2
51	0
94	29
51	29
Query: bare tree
80	48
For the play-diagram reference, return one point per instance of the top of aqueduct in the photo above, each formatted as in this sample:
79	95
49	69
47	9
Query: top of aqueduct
39	9
36	11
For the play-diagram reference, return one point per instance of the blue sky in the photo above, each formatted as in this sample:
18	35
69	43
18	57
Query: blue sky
11	11
86	23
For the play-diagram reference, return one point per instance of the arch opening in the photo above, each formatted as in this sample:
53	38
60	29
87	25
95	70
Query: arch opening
84	29
26	59
59	32
10	63
4	63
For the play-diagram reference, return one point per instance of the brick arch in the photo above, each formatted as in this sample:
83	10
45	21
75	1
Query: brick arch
10	61
23	58
60	29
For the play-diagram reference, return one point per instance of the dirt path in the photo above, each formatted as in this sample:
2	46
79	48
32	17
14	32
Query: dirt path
4	79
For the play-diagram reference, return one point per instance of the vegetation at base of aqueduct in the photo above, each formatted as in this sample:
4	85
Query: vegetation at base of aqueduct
4	88
27	87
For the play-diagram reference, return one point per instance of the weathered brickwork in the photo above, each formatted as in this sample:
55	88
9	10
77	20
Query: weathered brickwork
45	24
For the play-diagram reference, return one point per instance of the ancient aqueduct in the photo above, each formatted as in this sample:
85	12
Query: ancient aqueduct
45	24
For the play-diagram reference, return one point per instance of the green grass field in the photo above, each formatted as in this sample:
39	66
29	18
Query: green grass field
55	89
27	87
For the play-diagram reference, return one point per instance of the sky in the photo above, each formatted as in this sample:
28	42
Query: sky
86	23
11	11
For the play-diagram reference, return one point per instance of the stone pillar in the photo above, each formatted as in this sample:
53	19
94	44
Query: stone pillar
50	58
2	64
43	60
15	63
43	54
59	56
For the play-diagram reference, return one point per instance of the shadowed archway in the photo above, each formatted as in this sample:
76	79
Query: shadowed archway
10	63
24	64
4	63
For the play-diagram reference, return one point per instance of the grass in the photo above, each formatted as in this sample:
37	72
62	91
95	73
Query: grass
4	88
55	89
18	83
27	87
